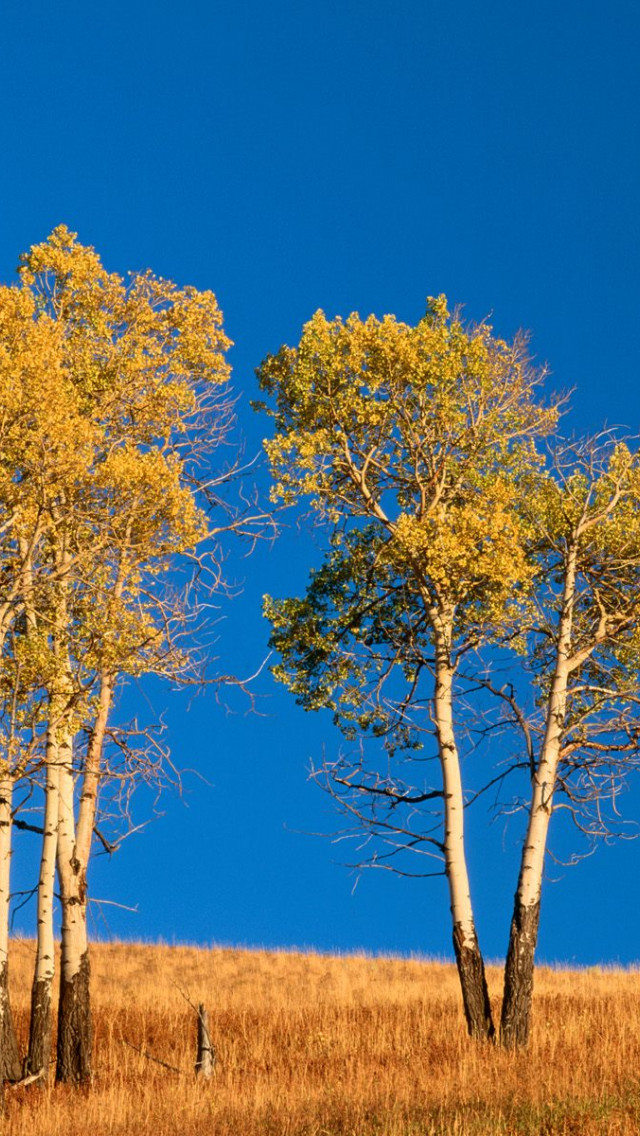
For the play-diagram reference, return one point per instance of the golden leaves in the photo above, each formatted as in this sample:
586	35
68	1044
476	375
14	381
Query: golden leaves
463	545
109	397
431	394
426	430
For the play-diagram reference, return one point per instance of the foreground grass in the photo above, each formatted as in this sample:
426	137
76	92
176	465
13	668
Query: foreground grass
316	1046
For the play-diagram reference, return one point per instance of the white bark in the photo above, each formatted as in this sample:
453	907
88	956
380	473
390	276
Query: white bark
74	844
10	1066
92	773
72	889
6	824
532	865
40	1030
473	983
74	1041
73	922
454	847
6	797
45	957
18	596
523	936
74	847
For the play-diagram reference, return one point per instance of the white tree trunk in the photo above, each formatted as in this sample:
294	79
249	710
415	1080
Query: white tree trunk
41	994
74	849
92	773
75	1032
10	1065
471	970
519	968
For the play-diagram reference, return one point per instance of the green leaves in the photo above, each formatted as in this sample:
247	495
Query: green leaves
412	445
352	636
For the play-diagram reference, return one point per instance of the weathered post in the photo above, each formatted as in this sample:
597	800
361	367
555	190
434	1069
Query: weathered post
206	1057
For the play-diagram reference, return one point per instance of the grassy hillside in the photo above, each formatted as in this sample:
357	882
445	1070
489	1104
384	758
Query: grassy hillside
334	1047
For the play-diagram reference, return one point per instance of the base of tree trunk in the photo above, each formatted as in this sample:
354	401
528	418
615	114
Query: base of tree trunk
10	1063
75	1027
39	1054
515	1023
475	992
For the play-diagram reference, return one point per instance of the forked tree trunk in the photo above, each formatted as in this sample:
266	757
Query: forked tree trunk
75	1027
40	1030
515	1022
10	1064
471	971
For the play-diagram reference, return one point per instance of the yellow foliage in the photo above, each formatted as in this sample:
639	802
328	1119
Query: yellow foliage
108	387
427	431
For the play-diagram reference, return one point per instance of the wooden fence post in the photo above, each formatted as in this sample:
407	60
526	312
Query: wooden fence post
206	1057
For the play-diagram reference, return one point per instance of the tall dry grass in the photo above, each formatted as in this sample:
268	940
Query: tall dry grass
317	1046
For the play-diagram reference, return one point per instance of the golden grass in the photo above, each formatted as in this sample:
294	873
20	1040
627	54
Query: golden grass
316	1046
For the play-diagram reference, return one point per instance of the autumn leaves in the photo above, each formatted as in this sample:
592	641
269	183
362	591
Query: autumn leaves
479	581
113	397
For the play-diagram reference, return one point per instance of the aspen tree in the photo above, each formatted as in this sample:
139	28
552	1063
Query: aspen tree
19	729
39	1050
11	765
142	366
124	626
46	447
584	654
49	714
408	442
39	441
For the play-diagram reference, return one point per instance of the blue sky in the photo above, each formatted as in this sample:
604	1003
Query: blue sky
351	156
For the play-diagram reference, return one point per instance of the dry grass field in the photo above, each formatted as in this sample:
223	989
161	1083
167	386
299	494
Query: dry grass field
315	1046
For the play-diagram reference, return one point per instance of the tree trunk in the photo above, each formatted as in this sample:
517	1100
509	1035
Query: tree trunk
75	1030
10	1064
74	848
40	1025
515	1021
40	1028
75	1025
473	982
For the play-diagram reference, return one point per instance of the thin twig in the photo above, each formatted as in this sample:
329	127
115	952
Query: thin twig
29	1080
150	1057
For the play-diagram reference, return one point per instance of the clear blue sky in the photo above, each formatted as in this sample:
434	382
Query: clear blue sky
352	155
